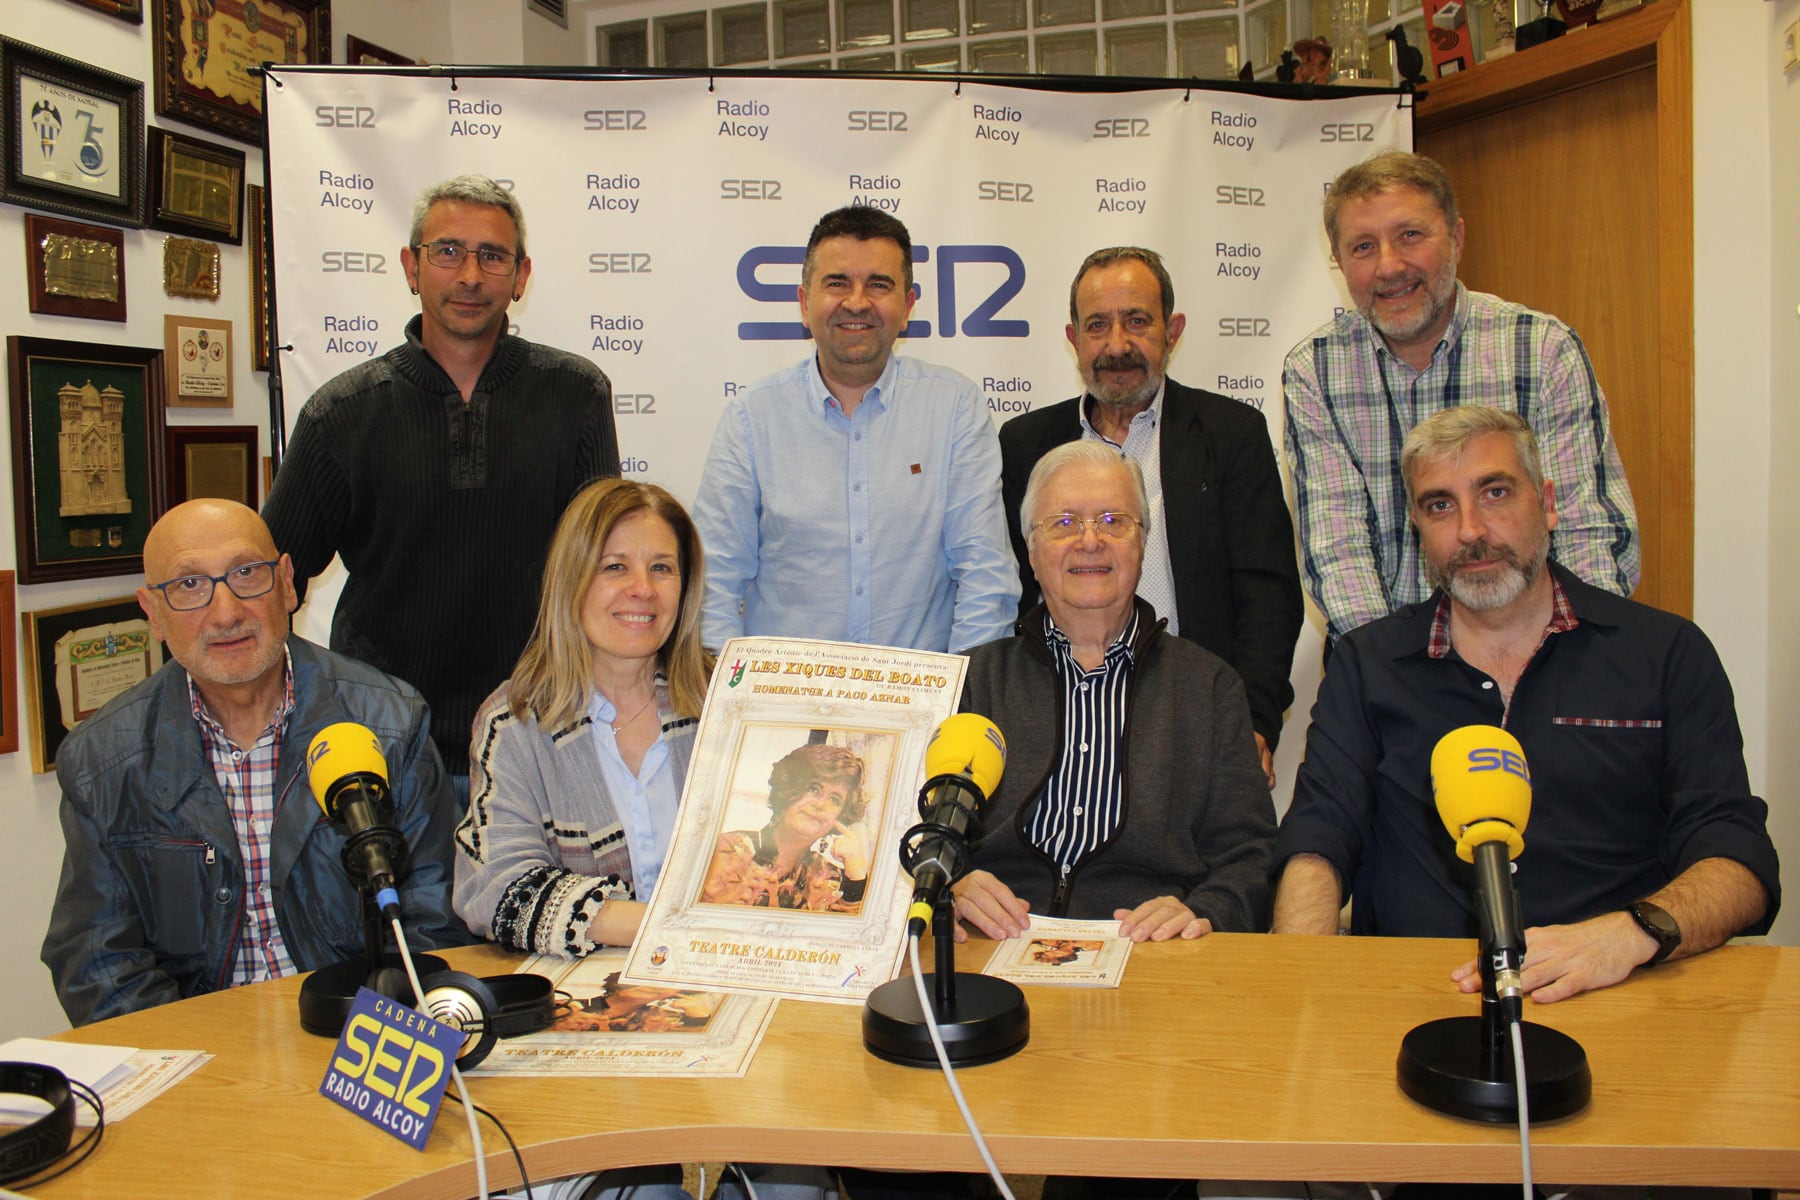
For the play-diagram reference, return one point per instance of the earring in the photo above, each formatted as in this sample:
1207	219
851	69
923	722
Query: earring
516	297
415	291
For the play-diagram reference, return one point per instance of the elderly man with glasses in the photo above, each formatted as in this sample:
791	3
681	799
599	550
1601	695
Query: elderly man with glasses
438	470
196	858
1133	790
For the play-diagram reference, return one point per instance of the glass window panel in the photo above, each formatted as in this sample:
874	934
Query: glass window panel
626	45
1138	50
868	62
996	16
1207	48
1067	53
938	58
865	23
926	19
1120	10
683	40
1266	35
1065	12
1008	56
813	64
1188	6
802	27
1349	36
741	34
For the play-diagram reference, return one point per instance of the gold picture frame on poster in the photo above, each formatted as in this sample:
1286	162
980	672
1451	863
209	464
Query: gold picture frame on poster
190	269
196	361
79	657
212	461
75	270
196	187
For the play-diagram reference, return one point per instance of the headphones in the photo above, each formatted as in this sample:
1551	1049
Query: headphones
484	1010
40	1144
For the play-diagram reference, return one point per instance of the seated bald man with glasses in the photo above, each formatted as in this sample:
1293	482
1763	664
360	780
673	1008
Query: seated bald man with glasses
1133	788
195	857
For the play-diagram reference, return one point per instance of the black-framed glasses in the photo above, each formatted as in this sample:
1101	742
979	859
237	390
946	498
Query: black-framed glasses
1064	527
247	581
452	255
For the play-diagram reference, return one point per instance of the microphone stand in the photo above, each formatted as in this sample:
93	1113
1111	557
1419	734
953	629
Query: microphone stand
1463	1066
981	1019
328	995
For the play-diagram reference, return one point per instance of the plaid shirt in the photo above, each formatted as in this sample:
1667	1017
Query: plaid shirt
1351	402
1562	619
247	778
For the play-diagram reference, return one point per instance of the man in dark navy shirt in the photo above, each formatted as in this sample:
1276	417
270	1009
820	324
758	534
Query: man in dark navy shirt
1644	842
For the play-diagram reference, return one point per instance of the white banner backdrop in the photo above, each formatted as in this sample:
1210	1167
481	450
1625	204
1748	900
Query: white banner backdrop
666	220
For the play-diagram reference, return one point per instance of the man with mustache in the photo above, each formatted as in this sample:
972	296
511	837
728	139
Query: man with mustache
1219	554
856	495
1644	843
1416	342
438	471
196	857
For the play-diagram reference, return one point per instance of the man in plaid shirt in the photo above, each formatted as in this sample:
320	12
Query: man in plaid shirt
196	857
1419	342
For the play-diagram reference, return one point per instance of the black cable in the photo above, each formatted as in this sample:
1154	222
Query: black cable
86	1145
518	1159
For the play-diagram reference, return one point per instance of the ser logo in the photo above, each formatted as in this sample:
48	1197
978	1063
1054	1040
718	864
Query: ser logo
1122	127
614	119
995	189
344	116
352	262
983	320
749	189
634	403
1496	759
867	120
619	262
1247	196
1346	133
1243	327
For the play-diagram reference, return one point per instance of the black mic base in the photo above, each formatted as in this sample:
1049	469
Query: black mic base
329	993
986	1021
1442	1067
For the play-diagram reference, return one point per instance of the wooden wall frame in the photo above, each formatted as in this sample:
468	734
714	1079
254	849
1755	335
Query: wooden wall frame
1574	167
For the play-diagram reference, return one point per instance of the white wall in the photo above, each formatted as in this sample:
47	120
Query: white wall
1747	284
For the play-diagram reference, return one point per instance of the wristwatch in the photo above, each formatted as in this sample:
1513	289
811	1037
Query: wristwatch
1656	921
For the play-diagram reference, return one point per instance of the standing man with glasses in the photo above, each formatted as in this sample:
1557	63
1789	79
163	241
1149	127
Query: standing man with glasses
196	857
438	471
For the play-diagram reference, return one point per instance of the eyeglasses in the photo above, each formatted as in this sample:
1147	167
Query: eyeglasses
247	581
1067	526
450	255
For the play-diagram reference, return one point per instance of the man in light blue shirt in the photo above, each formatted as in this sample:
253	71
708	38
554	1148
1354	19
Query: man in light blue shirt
856	496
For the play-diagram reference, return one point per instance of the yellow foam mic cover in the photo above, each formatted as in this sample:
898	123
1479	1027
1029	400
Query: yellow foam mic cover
1483	788
341	750
967	744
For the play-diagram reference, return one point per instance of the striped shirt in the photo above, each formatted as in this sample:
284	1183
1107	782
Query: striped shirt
1143	446
1351	402
247	778
1083	801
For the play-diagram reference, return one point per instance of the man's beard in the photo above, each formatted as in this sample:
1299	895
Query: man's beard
1124	397
1440	294
1493	589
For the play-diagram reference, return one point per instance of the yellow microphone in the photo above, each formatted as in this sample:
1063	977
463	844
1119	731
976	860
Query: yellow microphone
1483	789
963	765
348	775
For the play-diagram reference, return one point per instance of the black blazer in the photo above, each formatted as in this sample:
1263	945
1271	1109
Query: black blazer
1231	540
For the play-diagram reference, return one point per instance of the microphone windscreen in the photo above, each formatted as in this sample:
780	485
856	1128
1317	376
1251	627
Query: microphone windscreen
1483	788
341	751
967	744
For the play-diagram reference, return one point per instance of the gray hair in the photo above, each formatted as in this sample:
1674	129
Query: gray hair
1082	450
1383	172
470	189
1444	435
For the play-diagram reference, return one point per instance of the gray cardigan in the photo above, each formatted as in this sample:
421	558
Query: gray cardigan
1198	822
542	848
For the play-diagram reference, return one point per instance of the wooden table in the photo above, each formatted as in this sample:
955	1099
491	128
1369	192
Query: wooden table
1235	1056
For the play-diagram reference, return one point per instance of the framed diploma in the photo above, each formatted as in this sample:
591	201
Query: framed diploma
208	53
81	656
71	136
196	187
197	362
87	438
9	666
217	461
129	11
75	270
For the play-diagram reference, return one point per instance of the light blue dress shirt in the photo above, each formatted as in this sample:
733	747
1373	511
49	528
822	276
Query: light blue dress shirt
646	802
884	526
